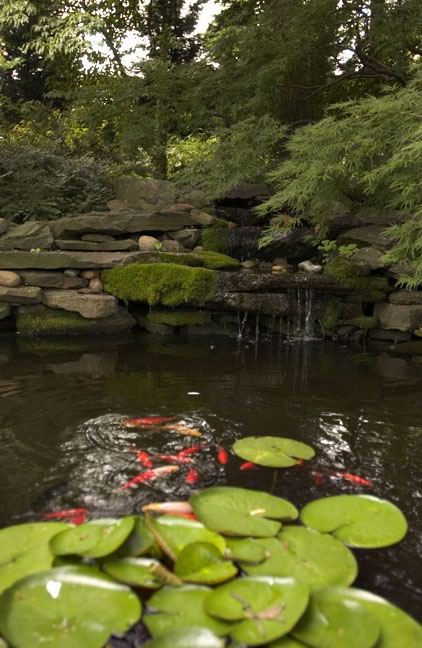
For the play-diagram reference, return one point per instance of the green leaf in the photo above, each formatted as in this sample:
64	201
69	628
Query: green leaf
357	520
247	550
140	542
265	608
66	607
181	607
3	644
316	559
202	562
274	452
187	638
94	539
24	550
241	512
332	622
176	533
287	642
138	572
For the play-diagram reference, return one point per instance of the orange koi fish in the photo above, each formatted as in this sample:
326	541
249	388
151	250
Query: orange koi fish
223	457
191	450
192	476
176	459
182	429
149	475
353	478
75	516
144	458
169	508
248	465
148	421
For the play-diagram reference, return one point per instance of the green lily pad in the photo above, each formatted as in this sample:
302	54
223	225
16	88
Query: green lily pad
176	533
331	621
181	607
24	550
313	558
287	642
66	607
398	629
202	562
94	539
187	638
357	520
247	550
140	541
138	572
241	512
3	644
264	608
273	452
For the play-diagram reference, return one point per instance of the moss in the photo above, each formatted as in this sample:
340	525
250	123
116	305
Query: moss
47	321
365	322
179	259
217	261
179	318
216	238
160	283
331	315
356	277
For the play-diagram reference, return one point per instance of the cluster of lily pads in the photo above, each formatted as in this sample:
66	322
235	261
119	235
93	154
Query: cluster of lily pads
250	570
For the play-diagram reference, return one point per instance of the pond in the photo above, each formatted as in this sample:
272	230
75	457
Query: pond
62	403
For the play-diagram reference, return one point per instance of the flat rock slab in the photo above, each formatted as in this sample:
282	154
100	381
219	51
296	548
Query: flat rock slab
263	303
51	280
42	321
63	260
92	246
398	316
20	295
409	297
5	311
27	236
265	282
370	257
91	306
373	236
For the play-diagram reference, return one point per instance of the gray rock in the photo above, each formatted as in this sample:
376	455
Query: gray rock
370	257
186	237
42	279
42	321
201	218
89	306
250	264
292	244
418	332
273	283
247	192
400	317
195	197
263	303
20	295
155	329
183	207
96	284
389	336
92	246
97	238
141	194
373	236
408	297
171	246
4	225
310	267
28	236
61	260
5	311
9	279
71	273
149	244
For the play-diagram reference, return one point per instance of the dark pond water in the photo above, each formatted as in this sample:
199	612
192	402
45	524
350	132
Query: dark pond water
62	445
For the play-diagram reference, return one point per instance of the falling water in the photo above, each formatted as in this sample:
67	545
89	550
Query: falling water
300	325
241	323
257	328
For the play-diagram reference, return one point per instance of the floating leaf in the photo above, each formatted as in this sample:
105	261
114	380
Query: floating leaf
265	608
357	520
273	452
202	562
287	642
331	621
313	558
66	607
94	539
3	644
176	533
140	541
241	512
24	550
247	550
138	572
187	638
181	607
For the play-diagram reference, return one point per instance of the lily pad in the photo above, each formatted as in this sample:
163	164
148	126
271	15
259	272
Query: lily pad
273	452
187	638
24	550
357	520
66	607
264	608
241	512
176	533
287	642
247	550
331	621
94	539
138	572
181	607
140	541
3	644
397	627
313	558
202	562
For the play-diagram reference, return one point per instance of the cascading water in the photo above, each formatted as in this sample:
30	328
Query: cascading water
301	324
243	242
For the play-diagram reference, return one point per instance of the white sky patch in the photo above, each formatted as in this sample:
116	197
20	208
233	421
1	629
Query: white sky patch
211	9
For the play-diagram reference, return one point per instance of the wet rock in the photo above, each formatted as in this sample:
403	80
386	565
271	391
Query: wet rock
95	365
42	279
389	336
4	225
269	283
148	244
250	264
292	244
92	246
60	260
42	321
97	238
186	237
20	295
71	273
418	332
278	268
27	236
407	297
370	257
146	194
264	303
310	267
89	306
400	317
373	236
5	311
9	279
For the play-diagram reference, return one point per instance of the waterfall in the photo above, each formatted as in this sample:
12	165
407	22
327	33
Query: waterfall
241	323
301	323
243	242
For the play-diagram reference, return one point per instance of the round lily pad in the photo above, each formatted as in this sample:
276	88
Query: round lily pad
357	520
66	607
187	638
3	644
331	621
94	539
313	558
264	608
138	572
273	452
24	550
241	512
247	550
176	533
140	541
287	642
202	562
181	607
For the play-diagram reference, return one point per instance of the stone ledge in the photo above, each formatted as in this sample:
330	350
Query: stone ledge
95	246
20	295
63	260
42	321
256	282
90	306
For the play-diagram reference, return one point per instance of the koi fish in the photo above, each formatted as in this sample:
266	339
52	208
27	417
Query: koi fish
144	458
191	450
182	429
248	465
148	421
319	478
192	476
354	478
59	515
171	508
149	475
299	462
175	459
78	519
187	516
223	457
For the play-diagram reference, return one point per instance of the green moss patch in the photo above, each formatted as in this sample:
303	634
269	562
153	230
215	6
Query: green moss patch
40	320
331	315
216	237
365	322
168	284
179	318
355	277
217	261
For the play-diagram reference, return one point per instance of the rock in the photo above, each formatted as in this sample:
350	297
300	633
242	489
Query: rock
198	248
170	246
74	283
4	225
389	336
247	192
88	246
96	284
260	282
249	264
149	244
186	237
369	256
155	329
281	262
195	197
20	295
418	332
202	218
401	317
90	274
5	311
373	236
42	279
345	331
414	347
310	267
40	320
144	194
89	306
97	238
231	225
292	244
278	268
407	297
183	207
9	279
263	303
71	273
28	236
60	260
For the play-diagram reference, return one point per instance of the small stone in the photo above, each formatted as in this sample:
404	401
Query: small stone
9	279
70	283
96	284
4	225
148	244
231	225
97	238
71	273
187	237
310	267
170	246
198	248
370	257
90	274
249	264
202	218
5	311
277	268
281	261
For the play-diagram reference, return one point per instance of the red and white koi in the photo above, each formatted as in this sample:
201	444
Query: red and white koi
175	459
143	458
191	450
192	476
169	508
148	421
319	478
150	475
223	456
353	478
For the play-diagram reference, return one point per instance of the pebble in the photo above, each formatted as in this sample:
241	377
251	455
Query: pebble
71	273
96	284
9	279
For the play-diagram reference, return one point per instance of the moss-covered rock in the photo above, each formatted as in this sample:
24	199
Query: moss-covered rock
216	237
41	320
331	315
218	261
168	284
356	277
365	322
179	318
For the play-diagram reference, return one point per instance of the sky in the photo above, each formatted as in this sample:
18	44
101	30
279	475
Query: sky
208	13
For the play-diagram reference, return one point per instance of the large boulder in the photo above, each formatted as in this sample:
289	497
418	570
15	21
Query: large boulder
187	237
407	297
20	295
370	257
40	320
245	192
293	244
398	316
90	306
374	236
28	236
147	195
